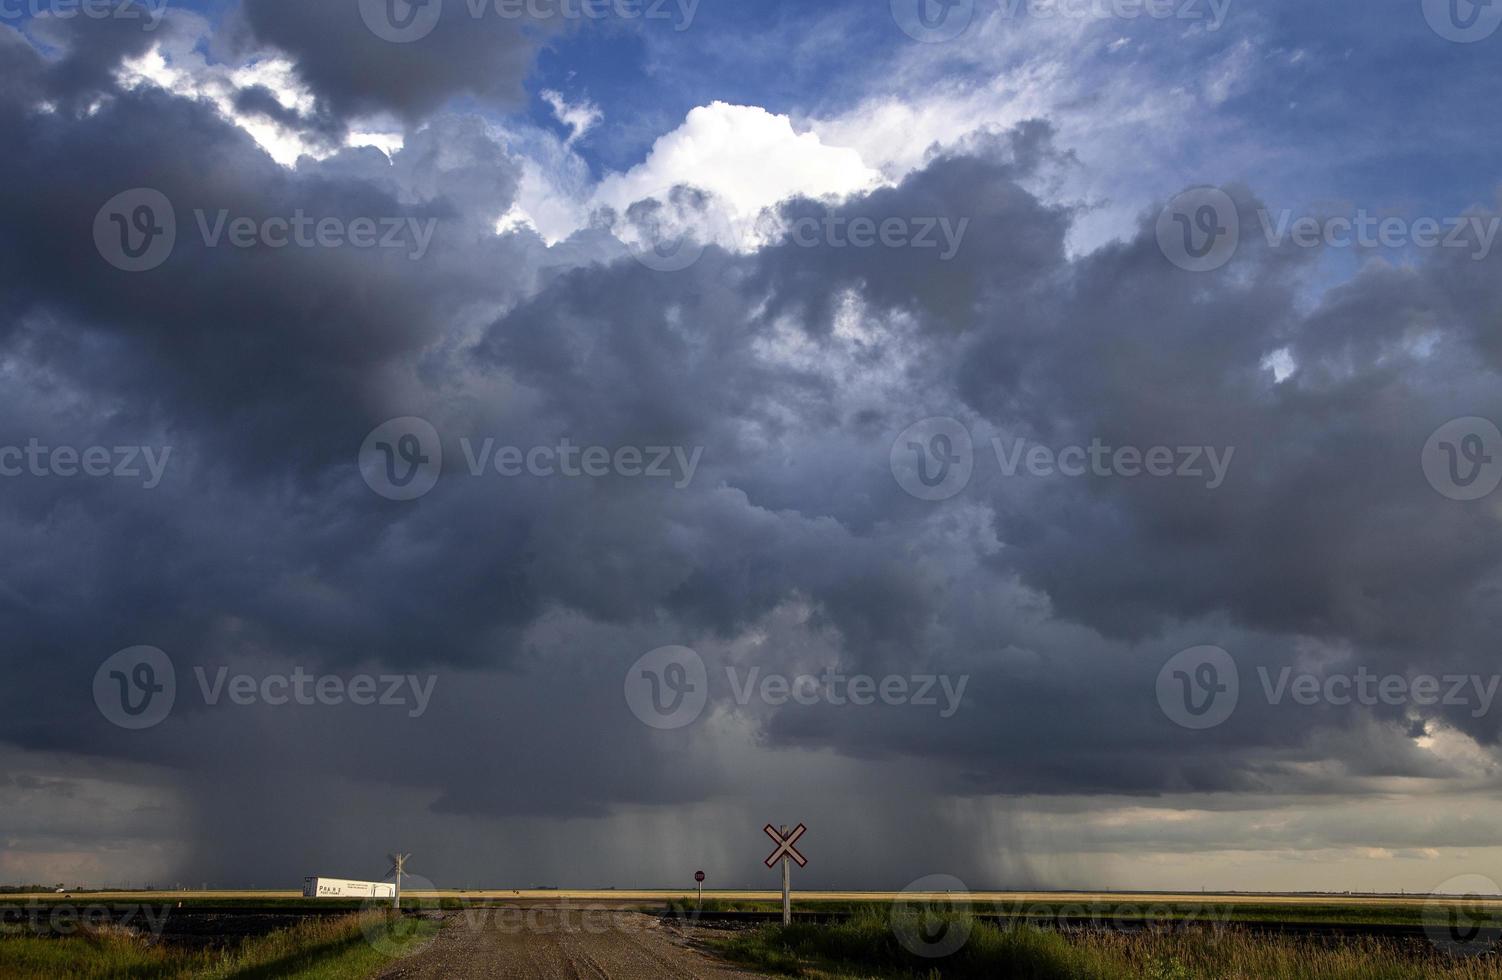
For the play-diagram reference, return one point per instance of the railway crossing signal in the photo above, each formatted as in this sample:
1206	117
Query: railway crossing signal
787	854
398	868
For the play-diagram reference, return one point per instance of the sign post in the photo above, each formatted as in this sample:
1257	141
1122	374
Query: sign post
398	866
699	877
786	853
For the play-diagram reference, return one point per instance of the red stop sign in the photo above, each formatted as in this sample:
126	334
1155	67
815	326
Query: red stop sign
698	876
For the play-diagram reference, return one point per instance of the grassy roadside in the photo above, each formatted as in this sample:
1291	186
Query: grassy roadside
1215	912
868	947
350	947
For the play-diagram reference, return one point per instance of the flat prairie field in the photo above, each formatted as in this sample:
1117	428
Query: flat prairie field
1255	905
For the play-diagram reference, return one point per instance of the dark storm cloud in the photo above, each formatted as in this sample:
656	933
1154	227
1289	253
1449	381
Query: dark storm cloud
89	49
258	100
343	57
793	369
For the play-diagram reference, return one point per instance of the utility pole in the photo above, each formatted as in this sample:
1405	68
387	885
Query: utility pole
398	867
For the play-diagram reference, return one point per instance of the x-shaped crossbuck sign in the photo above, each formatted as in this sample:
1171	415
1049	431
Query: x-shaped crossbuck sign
785	846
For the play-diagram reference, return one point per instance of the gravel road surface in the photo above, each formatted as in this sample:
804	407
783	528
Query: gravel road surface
546	942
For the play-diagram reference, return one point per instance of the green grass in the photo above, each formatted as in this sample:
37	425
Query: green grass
346	948
1411	914
868	947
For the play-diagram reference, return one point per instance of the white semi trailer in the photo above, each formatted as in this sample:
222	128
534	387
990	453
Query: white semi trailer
340	888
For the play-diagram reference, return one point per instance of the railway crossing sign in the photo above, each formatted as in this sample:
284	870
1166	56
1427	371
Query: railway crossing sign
785	842
787	854
398	868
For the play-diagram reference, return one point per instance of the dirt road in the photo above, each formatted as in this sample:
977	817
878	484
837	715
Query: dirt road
547	942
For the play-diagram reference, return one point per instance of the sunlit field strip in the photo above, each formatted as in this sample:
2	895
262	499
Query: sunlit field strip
652	895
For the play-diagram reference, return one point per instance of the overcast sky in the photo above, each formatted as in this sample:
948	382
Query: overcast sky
465	428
